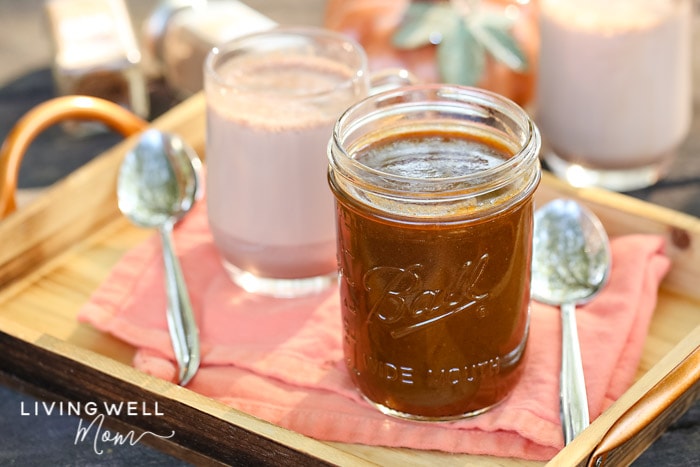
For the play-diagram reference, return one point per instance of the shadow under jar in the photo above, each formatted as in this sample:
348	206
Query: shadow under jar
433	188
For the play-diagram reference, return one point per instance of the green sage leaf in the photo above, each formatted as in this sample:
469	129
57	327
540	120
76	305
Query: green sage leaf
498	40
461	58
492	19
423	24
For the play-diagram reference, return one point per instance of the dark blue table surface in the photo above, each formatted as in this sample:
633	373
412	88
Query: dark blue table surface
38	440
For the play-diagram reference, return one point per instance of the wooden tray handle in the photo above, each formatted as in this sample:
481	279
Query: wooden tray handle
49	113
646	420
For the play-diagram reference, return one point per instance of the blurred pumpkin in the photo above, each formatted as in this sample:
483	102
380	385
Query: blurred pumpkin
494	46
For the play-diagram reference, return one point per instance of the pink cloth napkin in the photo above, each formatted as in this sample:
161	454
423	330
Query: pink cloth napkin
281	359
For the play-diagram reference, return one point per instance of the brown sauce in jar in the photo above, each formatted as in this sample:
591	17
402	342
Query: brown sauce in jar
435	310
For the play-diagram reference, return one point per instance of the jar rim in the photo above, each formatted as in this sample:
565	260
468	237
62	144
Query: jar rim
449	96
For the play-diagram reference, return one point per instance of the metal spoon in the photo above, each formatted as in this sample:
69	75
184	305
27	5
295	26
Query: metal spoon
157	186
570	264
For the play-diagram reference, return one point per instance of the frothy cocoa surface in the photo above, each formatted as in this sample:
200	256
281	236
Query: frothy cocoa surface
278	93
610	17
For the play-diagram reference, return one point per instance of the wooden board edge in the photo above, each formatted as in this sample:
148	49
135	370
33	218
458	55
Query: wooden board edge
203	427
579	451
644	422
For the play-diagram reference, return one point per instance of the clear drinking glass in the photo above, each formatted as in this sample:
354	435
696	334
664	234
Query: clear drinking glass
614	97
272	99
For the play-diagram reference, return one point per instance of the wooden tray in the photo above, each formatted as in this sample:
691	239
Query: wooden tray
57	250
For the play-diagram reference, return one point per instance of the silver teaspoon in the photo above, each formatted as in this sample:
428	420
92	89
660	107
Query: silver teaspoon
157	186
570	265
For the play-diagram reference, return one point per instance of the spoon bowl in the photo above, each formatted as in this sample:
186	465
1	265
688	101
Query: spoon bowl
158	184
570	265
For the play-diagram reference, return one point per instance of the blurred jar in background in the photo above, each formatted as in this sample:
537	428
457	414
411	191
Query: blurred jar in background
179	34
615	89
96	53
492	44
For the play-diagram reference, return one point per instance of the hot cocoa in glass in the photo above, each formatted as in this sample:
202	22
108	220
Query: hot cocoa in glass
272	100
614	96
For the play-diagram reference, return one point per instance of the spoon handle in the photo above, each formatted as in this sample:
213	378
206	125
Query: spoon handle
181	323
572	395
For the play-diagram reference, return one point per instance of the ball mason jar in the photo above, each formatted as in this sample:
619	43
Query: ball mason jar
434	207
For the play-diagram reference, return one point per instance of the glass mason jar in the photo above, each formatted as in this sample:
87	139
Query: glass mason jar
434	206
